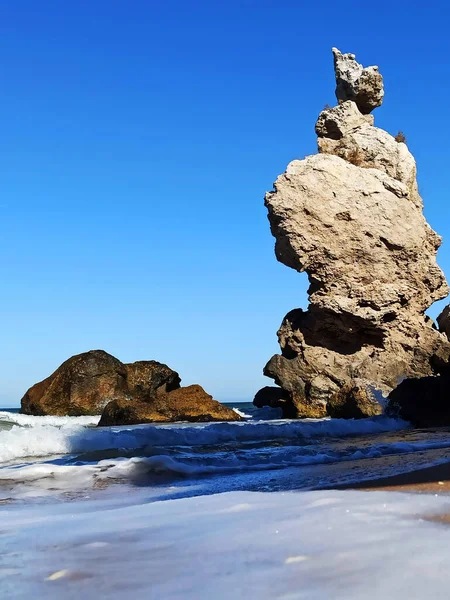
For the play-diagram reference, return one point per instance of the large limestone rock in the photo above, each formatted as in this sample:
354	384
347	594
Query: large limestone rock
364	86
351	218
145	391
190	403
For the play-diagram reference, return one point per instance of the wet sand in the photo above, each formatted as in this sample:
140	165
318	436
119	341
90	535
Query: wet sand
431	480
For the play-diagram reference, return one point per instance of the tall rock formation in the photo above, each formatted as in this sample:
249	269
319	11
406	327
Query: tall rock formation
351	218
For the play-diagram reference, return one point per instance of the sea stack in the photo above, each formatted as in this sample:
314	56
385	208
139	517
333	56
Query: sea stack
351	217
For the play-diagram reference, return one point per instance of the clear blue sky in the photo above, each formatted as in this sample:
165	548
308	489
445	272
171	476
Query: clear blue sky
137	140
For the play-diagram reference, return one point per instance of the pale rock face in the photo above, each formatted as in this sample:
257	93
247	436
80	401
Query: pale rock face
371	147
356	231
351	218
354	82
335	122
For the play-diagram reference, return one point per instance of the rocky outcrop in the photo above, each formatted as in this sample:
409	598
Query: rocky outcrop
351	218
190	403
149	378
334	123
353	402
275	397
425	401
364	86
140	392
82	385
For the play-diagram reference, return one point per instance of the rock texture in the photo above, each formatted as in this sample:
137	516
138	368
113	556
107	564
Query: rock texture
443	321
353	402
140	392
275	397
149	378
364	86
351	218
334	123
190	403
82	385
425	401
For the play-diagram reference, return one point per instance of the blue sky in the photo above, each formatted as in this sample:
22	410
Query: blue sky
137	141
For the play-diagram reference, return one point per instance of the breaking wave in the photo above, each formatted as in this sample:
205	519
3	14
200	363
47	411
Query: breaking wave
65	435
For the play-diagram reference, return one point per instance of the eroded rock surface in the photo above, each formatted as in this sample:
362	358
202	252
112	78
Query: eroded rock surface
145	391
189	403
364	86
82	385
353	402
149	378
351	218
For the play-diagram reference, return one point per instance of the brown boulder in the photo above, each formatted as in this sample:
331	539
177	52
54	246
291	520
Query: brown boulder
353	402
147	378
189	403
82	385
85	383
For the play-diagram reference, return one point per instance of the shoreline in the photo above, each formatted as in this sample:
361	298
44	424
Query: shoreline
428	480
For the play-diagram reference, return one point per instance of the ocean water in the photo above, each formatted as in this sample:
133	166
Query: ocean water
48	458
229	510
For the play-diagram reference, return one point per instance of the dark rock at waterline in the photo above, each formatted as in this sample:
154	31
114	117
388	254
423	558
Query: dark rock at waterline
189	403
443	321
353	402
85	383
424	401
276	397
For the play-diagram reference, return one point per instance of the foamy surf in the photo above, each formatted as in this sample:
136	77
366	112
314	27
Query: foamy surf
42	456
241	467
32	421
242	413
65	437
314	545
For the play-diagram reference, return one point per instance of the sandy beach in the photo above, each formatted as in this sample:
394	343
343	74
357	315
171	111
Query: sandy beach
430	480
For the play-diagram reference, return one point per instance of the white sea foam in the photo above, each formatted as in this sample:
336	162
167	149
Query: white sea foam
189	465
240	544
46	440
241	413
32	421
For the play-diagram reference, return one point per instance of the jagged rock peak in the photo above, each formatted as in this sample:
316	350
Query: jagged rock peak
362	85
